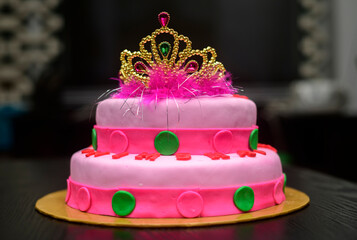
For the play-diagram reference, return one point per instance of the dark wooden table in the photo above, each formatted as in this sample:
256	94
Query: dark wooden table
332	213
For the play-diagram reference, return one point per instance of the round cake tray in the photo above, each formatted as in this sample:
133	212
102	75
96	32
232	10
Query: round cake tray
54	205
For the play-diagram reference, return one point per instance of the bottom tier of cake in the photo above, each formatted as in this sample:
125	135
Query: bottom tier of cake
174	202
165	187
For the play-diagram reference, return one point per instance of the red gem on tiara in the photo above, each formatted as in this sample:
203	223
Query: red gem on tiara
140	67
164	19
191	66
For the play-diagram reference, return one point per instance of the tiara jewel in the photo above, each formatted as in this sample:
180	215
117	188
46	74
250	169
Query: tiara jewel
166	60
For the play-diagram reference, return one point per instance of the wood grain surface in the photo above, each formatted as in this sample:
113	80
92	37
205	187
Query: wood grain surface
332	213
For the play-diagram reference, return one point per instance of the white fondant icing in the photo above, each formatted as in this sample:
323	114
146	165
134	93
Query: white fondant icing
201	112
166	171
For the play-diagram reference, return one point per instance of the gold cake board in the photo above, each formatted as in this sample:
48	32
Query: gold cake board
54	205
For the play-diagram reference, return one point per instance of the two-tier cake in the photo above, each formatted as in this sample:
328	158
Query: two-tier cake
174	140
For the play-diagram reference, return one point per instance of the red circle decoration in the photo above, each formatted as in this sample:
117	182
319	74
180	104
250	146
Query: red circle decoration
83	199
190	204
223	141
279	196
68	194
118	142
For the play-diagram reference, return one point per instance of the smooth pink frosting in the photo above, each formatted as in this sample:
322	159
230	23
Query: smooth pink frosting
201	112
166	171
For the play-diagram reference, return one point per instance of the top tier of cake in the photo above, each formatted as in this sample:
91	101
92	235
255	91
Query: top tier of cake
203	112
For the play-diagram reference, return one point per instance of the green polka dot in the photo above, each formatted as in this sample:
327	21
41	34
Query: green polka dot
284	182
244	198
123	203
253	139
94	139
166	143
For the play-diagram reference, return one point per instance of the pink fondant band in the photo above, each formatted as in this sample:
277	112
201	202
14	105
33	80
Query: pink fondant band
194	141
174	202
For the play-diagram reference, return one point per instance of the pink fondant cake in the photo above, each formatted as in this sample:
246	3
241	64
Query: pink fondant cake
174	141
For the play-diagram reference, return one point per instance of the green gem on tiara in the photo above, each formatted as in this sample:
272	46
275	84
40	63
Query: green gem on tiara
165	48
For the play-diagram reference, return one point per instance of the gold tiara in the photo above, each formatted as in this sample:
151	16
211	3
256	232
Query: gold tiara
157	53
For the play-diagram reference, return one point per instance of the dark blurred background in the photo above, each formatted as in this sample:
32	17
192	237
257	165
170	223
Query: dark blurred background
295	59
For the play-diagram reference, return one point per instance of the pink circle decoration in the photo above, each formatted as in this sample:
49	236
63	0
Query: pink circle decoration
83	199
118	142
190	204
279	196
68	194
223	141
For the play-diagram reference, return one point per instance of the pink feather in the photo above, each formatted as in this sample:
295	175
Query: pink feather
175	84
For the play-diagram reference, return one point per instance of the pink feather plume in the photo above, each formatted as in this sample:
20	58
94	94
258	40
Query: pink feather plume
175	84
